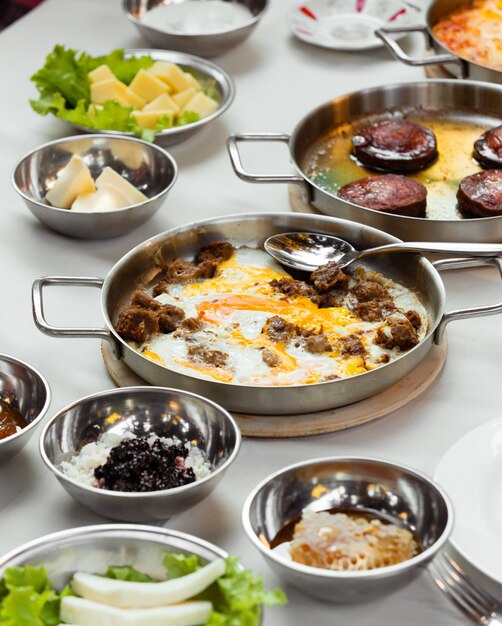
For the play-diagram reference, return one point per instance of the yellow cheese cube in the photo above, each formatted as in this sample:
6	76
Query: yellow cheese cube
103	72
112	89
73	180
201	104
106	198
183	97
171	74
147	86
162	103
134	99
148	119
192	81
110	177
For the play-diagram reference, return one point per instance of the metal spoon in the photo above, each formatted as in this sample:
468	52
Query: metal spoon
308	251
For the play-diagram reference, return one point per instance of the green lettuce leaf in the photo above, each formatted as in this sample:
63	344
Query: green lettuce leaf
178	565
127	572
65	74
187	117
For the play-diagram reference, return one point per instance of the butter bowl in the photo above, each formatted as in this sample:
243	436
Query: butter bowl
147	166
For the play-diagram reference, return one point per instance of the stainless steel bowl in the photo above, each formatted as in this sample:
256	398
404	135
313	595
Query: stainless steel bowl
399	494
94	548
33	395
203	70
205	45
146	410
150	168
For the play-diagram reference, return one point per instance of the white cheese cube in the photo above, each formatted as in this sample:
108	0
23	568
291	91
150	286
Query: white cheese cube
111	89
183	97
74	179
171	74
103	72
106	198
162	103
147	86
110	177
201	104
148	119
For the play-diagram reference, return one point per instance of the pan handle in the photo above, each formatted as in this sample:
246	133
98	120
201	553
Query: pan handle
56	331
398	53
235	158
462	314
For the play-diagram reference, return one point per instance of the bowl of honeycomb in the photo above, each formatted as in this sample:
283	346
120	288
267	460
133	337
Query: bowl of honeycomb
348	529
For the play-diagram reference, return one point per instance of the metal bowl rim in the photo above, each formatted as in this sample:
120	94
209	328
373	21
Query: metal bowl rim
137	22
44	409
105	529
270	215
357	575
468	84
95	136
226	81
134	494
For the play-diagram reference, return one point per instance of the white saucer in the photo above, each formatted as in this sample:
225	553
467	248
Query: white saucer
471	474
349	24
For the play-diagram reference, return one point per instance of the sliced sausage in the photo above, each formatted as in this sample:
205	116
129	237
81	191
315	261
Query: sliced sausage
481	194
391	193
216	251
395	146
329	276
488	148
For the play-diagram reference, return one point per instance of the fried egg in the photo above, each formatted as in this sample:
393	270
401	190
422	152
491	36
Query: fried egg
235	306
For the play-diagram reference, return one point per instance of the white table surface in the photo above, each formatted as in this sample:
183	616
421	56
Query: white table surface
278	80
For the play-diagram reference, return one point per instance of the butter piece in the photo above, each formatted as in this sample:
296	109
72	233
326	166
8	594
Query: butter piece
111	89
171	74
148	119
110	177
132	98
73	180
201	104
183	97
162	103
103	72
147	86
106	198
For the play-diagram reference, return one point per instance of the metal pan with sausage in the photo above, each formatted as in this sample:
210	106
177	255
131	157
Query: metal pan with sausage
140	267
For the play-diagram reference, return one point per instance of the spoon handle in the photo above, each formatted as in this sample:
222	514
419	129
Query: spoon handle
461	249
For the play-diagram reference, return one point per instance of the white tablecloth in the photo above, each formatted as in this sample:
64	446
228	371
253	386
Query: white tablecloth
278	80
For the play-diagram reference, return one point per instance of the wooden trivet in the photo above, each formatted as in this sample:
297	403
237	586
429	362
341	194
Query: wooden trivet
438	71
279	426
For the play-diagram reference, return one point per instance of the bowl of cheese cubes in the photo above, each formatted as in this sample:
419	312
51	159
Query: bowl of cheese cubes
158	95
95	186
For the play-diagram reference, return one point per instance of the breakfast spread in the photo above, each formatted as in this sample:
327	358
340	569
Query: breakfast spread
131	463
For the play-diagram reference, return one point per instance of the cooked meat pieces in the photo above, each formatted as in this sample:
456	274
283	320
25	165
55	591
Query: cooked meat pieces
367	290
270	358
217	251
395	146
146	317
317	343
329	276
481	194
398	334
374	310
137	324
180	271
207	356
192	325
278	329
488	148
414	318
291	287
328	300
351	346
390	193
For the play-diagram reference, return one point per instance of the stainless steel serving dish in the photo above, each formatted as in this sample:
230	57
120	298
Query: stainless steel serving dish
202	69
475	101
205	45
93	549
396	493
146	411
142	264
32	394
457	65
147	166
